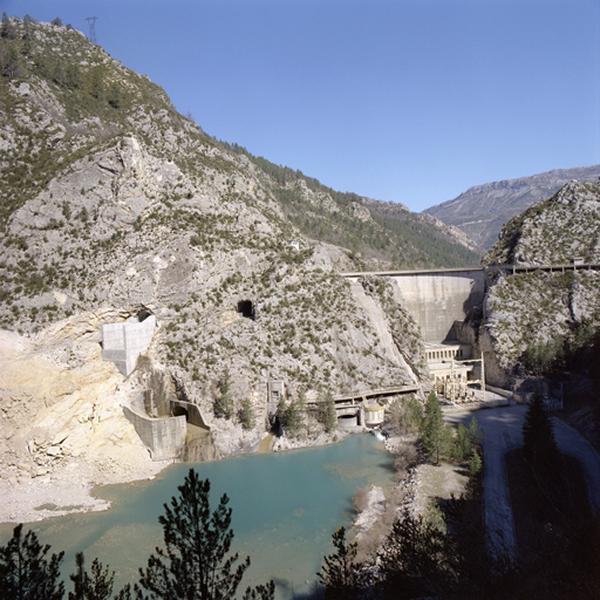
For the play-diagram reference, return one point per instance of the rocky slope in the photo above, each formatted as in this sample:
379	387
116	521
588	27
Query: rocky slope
534	319
554	231
111	203
482	210
61	425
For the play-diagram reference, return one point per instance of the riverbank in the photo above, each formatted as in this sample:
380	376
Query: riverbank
285	506
378	507
68	487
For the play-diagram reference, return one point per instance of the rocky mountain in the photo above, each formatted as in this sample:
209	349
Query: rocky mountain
537	317
113	205
553	231
482	210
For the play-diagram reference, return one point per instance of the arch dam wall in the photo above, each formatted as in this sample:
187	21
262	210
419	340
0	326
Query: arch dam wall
436	298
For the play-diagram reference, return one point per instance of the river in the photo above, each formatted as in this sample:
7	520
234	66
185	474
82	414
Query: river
285	508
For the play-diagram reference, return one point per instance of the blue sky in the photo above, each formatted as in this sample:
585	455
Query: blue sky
403	100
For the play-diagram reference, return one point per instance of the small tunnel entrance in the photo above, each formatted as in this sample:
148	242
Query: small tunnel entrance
143	313
246	309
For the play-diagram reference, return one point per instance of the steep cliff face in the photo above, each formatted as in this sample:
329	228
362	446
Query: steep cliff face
483	210
536	320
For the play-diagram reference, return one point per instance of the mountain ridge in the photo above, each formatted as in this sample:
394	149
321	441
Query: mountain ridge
482	210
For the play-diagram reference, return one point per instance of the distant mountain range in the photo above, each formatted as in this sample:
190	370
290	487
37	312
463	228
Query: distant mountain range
482	210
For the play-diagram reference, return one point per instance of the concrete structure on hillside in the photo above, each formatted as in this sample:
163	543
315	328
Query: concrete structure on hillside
122	343
275	393
170	426
437	298
164	437
365	407
374	414
454	372
445	352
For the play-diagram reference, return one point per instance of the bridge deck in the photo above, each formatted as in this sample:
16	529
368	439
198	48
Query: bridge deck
360	396
506	268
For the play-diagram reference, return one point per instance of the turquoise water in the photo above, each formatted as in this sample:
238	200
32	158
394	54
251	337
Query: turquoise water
285	508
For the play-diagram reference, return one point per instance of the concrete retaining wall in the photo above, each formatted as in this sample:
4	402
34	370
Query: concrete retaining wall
164	437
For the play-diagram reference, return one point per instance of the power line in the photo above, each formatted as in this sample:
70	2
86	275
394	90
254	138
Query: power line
92	24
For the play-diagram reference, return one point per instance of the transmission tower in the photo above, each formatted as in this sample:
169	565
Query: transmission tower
92	23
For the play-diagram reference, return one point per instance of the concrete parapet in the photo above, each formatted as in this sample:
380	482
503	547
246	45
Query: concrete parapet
164	436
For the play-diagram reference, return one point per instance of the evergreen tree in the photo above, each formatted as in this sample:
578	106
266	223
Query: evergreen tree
417	560
474	432
27	571
462	446
474	463
114	96
246	414
326	414
434	434
27	35
57	22
195	563
72	76
95	83
223	404
407	414
294	418
7	29
342	576
97	585
539	444
10	61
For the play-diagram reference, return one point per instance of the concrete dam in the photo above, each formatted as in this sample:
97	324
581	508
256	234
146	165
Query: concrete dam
436	298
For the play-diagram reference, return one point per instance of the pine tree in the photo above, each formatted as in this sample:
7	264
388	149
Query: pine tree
417	560
10	61
474	432
7	29
539	444
27	571
114	96
434	434
462	446
96	585
27	27
326	414
342	576
223	404
294	418
474	463
246	414
195	562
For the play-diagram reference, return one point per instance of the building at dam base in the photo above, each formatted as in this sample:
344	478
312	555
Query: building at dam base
454	371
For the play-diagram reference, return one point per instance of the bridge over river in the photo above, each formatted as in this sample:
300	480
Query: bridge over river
353	404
